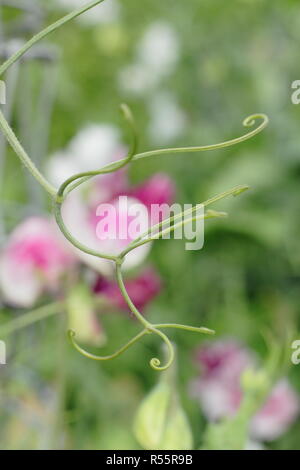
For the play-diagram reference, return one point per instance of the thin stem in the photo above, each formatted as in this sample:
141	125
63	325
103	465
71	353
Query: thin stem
169	230
71	183
8	132
84	176
158	227
11	84
231	192
76	243
28	319
155	362
201	329
24	157
50	29
128	300
85	353
248	122
58	429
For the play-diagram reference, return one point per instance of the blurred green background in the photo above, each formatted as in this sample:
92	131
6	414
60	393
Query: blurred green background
233	59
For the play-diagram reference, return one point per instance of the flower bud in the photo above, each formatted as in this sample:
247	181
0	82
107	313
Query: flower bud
161	423
82	318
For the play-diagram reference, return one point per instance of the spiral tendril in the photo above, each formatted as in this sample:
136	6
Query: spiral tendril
73	182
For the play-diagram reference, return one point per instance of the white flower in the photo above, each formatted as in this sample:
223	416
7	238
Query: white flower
93	147
156	57
136	79
81	221
167	118
159	48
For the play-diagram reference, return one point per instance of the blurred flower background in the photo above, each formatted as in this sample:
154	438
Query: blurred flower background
191	72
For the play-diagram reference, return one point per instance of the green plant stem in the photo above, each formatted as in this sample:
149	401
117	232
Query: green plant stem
29	318
41	35
231	192
155	362
58	430
128	300
195	329
111	356
8	132
73	182
248	122
84	176
24	157
167	231
77	243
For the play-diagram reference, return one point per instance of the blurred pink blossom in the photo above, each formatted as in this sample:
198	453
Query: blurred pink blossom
219	391
82	221
33	261
278	413
93	147
141	289
159	189
80	215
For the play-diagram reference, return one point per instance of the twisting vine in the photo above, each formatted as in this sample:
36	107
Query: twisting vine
59	195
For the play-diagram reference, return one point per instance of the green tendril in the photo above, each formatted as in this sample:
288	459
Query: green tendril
84	176
248	122
44	33
120	351
152	233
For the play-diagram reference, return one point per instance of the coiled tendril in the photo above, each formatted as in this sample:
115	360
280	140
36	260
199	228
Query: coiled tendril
154	232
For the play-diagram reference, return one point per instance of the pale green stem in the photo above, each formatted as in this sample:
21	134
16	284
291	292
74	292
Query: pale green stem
29	318
78	179
77	243
128	300
231	192
8	132
195	329
24	157
248	122
169	230
58	429
111	356
155	362
126	112
50	29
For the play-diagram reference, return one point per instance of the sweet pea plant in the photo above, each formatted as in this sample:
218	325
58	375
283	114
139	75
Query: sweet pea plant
156	231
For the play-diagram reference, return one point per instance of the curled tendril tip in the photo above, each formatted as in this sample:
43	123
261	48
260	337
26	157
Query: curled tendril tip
72	183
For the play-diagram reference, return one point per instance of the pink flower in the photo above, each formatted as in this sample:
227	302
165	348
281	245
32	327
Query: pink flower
141	289
278	413
93	147
159	189
84	214
88	227
219	391
33	261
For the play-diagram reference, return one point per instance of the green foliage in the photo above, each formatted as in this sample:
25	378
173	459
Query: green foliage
236	58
